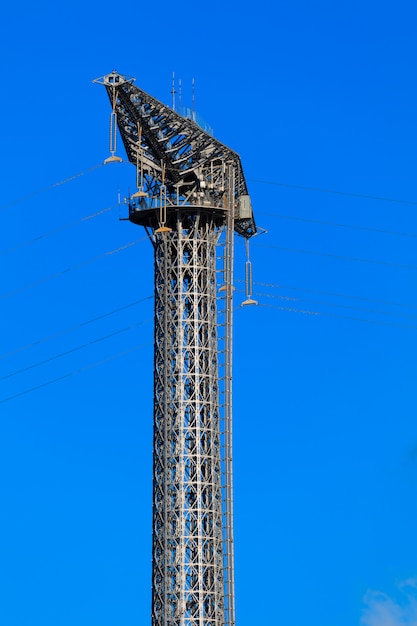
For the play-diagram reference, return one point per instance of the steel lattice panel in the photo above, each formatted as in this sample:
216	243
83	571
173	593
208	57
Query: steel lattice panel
188	584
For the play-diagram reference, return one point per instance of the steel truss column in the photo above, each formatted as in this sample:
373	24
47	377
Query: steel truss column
187	494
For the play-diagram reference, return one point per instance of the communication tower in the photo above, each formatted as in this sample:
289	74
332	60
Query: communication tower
191	198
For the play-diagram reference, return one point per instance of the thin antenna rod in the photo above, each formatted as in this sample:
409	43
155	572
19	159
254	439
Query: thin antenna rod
173	92
180	94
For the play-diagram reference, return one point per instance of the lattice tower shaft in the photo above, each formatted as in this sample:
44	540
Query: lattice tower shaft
188	580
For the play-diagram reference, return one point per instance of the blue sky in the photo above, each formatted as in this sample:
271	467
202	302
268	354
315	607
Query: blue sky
317	98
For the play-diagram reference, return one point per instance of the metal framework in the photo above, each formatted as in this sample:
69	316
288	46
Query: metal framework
191	196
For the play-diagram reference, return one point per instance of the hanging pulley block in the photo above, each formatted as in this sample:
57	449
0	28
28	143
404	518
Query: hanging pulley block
249	301
163	229
113	159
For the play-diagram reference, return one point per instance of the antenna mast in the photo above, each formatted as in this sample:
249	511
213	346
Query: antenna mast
173	92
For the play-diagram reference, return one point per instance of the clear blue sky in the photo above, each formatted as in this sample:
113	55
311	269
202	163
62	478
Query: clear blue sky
314	96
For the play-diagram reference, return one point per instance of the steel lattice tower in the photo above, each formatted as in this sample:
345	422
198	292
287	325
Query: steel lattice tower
191	197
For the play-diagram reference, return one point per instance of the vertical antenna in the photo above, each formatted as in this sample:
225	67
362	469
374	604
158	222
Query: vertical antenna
180	95
173	92
193	97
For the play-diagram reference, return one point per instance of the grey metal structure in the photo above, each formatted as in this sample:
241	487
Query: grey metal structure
191	197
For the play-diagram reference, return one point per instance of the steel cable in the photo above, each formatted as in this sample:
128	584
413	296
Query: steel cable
59	229
72	328
44	189
333	191
36	283
338	256
74	372
338	225
71	350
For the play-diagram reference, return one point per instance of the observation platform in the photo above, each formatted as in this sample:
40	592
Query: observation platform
150	217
